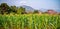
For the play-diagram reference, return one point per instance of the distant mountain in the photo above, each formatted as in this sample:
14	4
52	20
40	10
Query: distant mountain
28	8
58	10
44	10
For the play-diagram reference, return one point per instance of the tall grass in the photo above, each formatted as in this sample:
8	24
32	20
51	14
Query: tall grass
30	21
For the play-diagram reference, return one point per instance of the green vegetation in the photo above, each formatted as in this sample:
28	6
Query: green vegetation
6	9
30	21
12	17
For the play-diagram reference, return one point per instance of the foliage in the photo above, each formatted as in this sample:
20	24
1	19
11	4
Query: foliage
14	9
21	10
36	11
6	9
30	21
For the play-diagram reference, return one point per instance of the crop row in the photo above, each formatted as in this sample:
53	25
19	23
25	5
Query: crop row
31	21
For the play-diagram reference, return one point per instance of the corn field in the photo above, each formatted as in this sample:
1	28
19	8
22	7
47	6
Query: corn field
30	21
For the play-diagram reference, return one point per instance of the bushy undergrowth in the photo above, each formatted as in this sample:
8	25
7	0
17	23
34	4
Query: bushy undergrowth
30	21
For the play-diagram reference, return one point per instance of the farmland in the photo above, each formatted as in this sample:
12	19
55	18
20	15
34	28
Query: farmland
30	21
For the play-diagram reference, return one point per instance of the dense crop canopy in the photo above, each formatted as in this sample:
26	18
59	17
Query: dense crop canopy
30	21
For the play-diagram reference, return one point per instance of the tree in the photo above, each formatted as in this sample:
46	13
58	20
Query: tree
21	10
0	9
14	9
4	7
36	11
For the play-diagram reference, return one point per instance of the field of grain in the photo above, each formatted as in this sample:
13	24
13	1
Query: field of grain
30	21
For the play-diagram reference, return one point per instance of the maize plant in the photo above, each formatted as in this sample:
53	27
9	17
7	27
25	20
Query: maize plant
29	21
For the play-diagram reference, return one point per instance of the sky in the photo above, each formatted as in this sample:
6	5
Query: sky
36	4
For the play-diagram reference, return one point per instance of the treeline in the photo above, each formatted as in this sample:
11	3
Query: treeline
6	9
